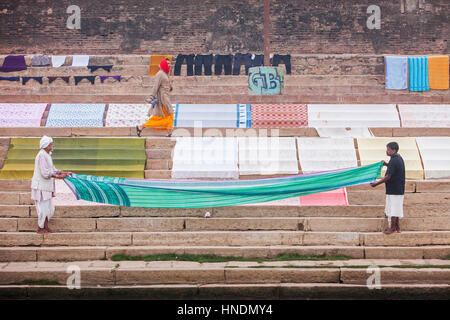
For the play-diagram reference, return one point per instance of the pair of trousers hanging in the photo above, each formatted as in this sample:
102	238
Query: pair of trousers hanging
205	60
189	58
286	59
238	58
223	61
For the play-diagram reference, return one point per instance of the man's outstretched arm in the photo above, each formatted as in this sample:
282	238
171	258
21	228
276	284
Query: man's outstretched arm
386	178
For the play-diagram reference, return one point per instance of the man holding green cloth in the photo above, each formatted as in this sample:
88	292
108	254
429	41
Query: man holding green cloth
395	187
43	184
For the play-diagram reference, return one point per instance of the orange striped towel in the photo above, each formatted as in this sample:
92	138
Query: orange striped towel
438	69
155	60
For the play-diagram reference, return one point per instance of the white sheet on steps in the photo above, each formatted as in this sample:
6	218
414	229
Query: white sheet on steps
353	115
325	132
205	157
211	115
323	154
266	156
416	116
435	153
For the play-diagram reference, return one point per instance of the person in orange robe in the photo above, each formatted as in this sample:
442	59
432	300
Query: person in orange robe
161	114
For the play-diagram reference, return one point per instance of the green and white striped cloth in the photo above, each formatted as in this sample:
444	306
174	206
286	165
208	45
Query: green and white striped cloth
199	194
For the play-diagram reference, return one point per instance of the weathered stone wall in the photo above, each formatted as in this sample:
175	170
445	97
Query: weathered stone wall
220	26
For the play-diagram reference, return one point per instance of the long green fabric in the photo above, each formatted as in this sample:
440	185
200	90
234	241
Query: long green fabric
199	194
116	157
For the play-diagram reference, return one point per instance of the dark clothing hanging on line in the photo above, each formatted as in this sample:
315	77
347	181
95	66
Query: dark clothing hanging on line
205	60
224	60
25	79
286	58
102	78
238	57
10	78
258	60
79	78
13	63
189	62
51	79
106	68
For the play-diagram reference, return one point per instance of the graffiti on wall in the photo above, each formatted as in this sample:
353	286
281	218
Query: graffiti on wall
265	80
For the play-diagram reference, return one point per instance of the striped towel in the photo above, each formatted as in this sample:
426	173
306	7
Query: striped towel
438	67
396	72
418	74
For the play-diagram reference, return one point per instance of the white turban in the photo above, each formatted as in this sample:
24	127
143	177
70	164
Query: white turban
45	141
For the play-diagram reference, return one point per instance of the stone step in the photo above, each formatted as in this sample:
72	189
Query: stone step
299	97
157	174
158	164
230	238
334	291
188	132
203	91
224	224
356	211
153	273
137	75
367	198
159	153
134	87
85	253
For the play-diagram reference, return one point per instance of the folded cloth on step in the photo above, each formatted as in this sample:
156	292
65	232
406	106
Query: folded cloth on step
58	61
40	61
13	63
418	74
80	61
396	72
10	78
106	68
438	69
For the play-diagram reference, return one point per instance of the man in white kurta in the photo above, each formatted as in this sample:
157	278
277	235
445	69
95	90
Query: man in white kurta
43	184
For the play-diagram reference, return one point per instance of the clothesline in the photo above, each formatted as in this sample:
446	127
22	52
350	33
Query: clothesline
64	78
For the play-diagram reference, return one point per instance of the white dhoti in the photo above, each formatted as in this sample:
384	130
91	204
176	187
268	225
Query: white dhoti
45	209
394	205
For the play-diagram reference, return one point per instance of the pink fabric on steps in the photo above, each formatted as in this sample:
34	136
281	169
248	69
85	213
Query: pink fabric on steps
21	115
328	198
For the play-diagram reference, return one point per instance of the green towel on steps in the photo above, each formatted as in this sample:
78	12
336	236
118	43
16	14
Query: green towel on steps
115	157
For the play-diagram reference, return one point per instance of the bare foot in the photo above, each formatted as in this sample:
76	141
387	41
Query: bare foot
41	231
49	230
